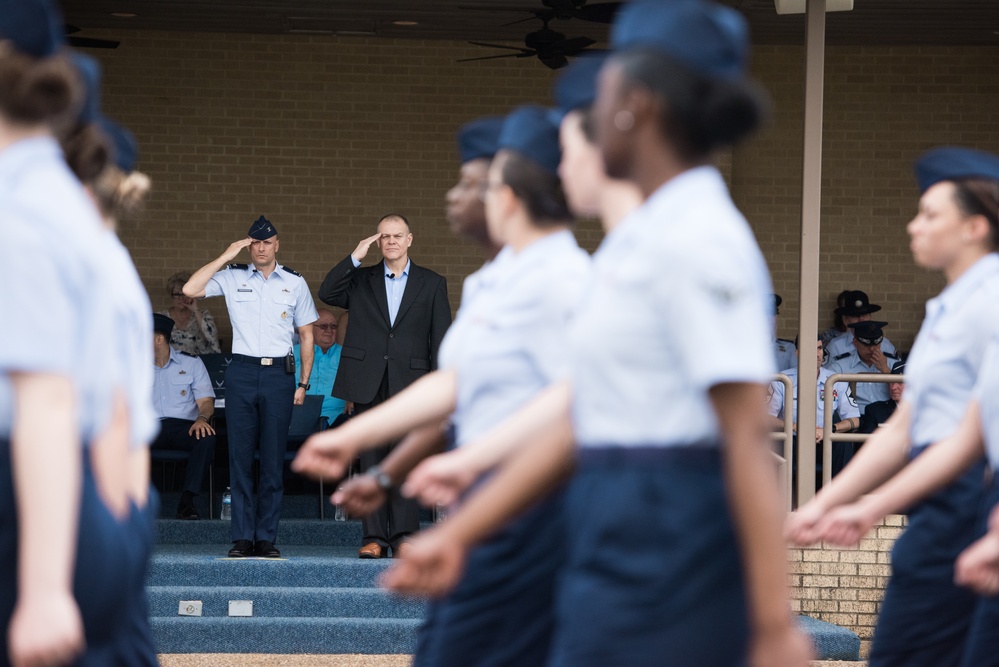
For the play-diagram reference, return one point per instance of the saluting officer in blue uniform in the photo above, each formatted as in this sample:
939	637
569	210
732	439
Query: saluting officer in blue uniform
266	303
866	356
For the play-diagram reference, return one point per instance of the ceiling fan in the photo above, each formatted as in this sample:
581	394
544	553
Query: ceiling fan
599	12
88	42
549	46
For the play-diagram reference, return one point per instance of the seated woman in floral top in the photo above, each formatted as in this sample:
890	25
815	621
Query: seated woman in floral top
194	329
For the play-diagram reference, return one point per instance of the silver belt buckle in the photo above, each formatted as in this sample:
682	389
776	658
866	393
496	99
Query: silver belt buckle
266	361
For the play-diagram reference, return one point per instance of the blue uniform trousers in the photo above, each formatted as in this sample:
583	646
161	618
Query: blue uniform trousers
103	569
501	614
258	402
174	435
653	574
925	616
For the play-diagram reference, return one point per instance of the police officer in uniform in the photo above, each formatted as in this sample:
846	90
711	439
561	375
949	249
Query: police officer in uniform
785	351
266	303
878	413
185	402
867	355
857	308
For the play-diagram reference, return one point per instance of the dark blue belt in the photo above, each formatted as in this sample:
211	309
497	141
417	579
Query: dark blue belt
258	361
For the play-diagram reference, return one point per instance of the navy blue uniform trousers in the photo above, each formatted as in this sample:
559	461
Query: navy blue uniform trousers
258	402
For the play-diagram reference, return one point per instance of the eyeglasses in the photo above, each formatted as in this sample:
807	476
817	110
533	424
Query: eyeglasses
325	327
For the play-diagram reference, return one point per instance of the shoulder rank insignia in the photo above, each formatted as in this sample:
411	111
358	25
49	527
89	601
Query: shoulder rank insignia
237	266
292	271
891	355
188	354
844	355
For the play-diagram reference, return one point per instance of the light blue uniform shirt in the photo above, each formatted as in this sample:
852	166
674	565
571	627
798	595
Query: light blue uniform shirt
60	320
946	357
867	392
395	287
264	313
842	400
324	368
508	341
179	385
682	302
133	341
843	344
987	394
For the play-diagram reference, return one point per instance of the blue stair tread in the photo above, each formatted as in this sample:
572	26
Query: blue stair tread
832	642
300	602
281	635
314	532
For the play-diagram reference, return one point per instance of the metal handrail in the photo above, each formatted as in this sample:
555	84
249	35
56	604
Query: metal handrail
784	469
828	437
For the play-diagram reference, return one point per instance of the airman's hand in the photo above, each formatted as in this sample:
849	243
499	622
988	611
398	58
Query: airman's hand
235	247
359	496
361	251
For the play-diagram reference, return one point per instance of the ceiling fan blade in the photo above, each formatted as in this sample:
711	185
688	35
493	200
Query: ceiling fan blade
91	43
503	46
70	29
602	12
554	61
505	55
575	44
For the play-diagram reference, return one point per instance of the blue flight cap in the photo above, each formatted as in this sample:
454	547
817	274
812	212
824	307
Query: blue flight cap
707	37
479	138
953	162
261	229
34	26
576	87
162	324
532	131
90	76
777	302
869	332
124	149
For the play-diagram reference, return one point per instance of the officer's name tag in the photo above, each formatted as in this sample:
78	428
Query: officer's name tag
244	290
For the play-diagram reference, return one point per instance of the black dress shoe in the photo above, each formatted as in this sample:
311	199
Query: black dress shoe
265	549
187	511
241	549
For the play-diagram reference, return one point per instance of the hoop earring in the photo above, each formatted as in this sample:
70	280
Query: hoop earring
624	121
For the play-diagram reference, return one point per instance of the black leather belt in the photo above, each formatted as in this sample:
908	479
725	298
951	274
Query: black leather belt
257	361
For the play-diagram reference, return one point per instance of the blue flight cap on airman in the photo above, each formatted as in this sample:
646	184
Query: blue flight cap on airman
479	138
869	332
34	26
261	229
162	324
90	76
950	163
124	149
532	131
705	36
777	302
576	87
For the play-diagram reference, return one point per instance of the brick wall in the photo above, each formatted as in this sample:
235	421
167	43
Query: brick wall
845	586
323	135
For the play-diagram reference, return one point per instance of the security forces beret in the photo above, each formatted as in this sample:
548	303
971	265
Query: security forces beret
857	303
261	229
479	138
777	302
707	37
898	368
124	149
162	324
34	26
532	131
870	332
576	87
90	76
952	163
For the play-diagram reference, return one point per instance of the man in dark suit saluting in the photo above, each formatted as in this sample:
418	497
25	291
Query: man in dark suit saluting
398	315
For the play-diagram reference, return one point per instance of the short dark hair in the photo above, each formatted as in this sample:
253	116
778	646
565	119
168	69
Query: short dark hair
395	216
980	196
700	113
539	190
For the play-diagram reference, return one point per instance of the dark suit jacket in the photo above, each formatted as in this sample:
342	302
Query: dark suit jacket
876	414
407	350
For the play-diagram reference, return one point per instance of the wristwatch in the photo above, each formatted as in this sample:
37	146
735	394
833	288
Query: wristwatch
382	479
304	386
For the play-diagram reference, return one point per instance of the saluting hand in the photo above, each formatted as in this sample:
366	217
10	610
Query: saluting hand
440	479
359	496
432	566
235	247
361	251
325	455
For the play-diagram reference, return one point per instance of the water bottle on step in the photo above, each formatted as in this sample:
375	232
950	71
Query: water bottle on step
226	513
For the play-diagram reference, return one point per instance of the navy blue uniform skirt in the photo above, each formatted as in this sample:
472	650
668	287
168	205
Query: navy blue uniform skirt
925	616
653	574
982	645
101	573
501	613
